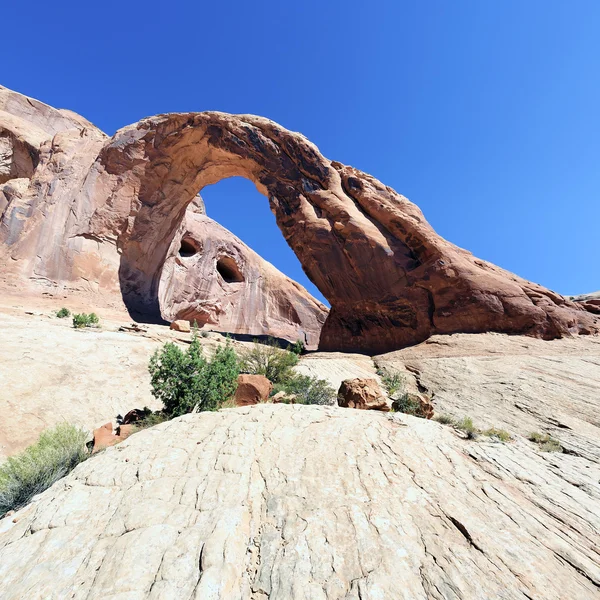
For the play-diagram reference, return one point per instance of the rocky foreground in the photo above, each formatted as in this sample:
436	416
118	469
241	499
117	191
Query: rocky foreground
285	502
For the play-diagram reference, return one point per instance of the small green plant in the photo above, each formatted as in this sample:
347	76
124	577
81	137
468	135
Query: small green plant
445	419
500	434
410	404
297	347
466	426
57	452
186	381
63	313
150	420
268	360
393	381
204	334
545	442
84	320
307	390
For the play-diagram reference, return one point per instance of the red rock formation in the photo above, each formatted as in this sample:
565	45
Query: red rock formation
364	394
390	279
46	238
252	389
211	277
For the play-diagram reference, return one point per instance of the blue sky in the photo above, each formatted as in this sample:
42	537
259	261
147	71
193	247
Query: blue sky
486	113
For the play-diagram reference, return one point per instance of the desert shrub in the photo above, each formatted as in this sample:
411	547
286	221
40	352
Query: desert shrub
410	404
444	419
545	442
57	452
150	420
297	347
466	426
307	390
84	320
268	360
63	313
185	381
500	434
393	381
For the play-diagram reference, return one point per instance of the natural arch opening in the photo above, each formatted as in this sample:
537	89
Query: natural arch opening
228	270
236	204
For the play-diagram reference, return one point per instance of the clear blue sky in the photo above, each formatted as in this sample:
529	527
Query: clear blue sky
486	113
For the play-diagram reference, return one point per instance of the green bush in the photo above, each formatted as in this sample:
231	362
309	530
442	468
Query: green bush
150	420
307	390
409	404
84	320
57	452
393	381
500	434
268	360
297	347
186	381
545	442
63	312
466	426
445	419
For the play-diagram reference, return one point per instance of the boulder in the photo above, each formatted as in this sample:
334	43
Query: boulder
252	389
364	394
181	325
104	436
283	398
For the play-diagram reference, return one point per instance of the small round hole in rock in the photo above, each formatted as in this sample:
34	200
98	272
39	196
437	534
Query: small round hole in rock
229	270
188	248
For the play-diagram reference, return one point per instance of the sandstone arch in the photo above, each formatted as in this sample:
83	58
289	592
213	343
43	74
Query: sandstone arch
390	279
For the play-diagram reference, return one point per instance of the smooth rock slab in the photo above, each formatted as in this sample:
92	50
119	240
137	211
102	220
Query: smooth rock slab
267	502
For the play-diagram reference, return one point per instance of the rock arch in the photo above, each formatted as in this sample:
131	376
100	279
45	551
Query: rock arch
390	279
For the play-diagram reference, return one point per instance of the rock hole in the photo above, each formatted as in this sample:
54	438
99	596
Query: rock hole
228	270
188	248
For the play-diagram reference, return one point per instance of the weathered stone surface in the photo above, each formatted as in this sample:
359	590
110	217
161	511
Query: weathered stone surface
51	373
261	502
111	209
48	205
515	383
364	394
181	325
212	277
252	389
590	302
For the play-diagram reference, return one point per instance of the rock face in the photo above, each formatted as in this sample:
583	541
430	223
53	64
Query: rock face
519	384
211	277
590	302
105	213
364	394
46	237
258	502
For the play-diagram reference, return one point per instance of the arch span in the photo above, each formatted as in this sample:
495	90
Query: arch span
390	279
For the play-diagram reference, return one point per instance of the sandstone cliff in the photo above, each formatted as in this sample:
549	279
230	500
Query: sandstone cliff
47	241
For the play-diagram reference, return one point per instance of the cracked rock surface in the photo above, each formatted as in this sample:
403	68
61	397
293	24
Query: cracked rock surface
298	502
